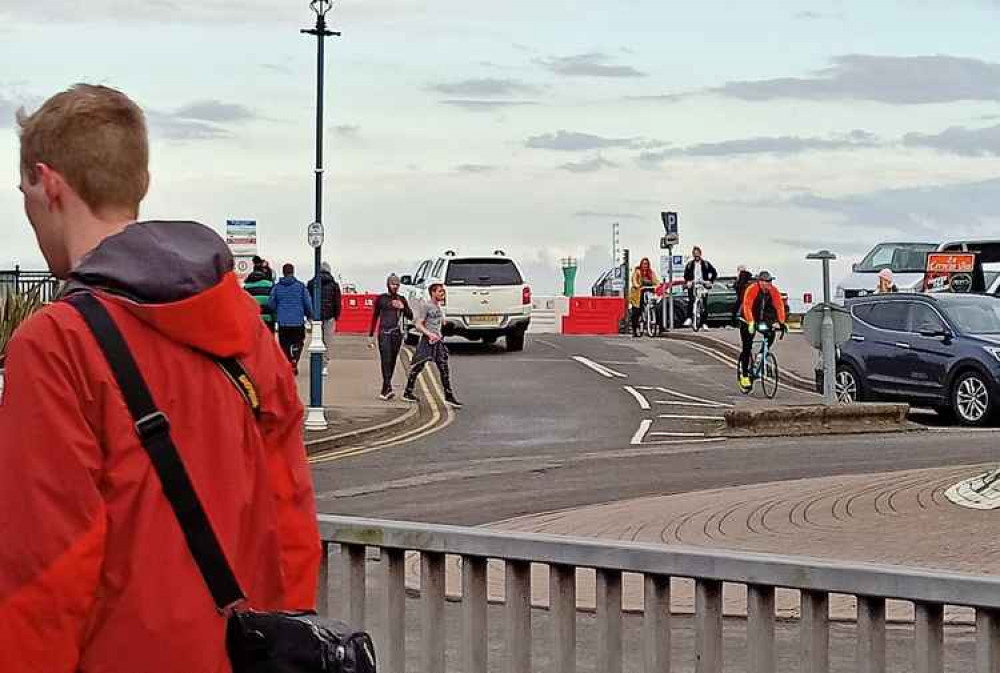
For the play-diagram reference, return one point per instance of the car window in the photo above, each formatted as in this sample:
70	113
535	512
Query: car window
924	319
437	269
974	315
487	271
890	315
421	274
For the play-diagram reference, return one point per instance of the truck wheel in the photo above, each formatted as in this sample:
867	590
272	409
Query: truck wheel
515	341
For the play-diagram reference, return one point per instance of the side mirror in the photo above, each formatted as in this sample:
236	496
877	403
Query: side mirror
855	267
406	280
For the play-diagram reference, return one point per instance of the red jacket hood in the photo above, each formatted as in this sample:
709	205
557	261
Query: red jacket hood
178	278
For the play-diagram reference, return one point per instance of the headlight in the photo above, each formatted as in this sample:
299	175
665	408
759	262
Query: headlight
994	351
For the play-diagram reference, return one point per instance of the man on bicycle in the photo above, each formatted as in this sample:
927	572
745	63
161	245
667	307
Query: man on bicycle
699	270
762	305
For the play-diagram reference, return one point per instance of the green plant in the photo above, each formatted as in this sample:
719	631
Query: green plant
15	307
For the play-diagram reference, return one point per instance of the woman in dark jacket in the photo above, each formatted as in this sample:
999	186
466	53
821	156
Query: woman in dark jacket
743	280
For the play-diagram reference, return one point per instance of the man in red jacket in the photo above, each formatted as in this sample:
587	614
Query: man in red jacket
95	574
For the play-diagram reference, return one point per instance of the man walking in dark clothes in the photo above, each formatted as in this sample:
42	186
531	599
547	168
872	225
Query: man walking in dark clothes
291	305
429	322
390	308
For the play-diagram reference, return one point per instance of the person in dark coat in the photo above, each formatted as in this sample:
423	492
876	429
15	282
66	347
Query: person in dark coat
699	270
329	307
743	280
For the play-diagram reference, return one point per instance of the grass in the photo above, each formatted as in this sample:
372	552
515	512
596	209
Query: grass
15	308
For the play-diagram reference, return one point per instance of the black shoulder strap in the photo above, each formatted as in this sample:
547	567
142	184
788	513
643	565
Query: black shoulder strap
153	429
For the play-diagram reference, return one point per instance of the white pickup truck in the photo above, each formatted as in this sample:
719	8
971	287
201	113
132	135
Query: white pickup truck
487	297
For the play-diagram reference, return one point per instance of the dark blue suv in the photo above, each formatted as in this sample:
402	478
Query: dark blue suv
932	350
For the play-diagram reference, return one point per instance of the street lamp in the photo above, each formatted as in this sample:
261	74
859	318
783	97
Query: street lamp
316	418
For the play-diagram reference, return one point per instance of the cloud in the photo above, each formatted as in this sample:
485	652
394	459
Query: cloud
589	166
484	88
960	140
593	64
214	111
602	215
570	141
347	130
778	145
486	105
962	209
894	80
475	169
844	246
171	127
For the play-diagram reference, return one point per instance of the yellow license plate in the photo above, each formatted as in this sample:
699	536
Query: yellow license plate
484	320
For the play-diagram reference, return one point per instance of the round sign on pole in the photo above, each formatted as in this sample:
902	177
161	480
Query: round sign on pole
315	234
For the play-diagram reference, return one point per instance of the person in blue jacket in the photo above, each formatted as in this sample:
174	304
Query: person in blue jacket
291	306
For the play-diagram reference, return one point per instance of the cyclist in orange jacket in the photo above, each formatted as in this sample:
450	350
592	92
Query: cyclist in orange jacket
762	304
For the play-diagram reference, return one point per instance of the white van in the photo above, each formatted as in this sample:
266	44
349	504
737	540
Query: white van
908	263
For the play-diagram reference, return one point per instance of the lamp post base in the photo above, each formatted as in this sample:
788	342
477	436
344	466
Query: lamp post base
316	419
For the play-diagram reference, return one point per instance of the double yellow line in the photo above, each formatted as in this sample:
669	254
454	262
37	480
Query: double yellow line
441	417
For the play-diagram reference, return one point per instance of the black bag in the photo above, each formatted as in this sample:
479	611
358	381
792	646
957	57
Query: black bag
257	642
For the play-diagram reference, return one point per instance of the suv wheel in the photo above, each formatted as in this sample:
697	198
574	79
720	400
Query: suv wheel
515	341
971	399
848	385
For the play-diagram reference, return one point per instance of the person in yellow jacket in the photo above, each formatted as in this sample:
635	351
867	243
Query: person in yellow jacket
642	277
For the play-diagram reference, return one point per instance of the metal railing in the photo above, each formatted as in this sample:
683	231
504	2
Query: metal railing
18	280
761	574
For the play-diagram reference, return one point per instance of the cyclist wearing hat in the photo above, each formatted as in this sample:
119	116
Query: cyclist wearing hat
762	304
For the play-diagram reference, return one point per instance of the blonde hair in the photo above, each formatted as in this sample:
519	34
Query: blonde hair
96	138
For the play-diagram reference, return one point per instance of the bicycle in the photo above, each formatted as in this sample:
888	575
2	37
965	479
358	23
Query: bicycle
700	293
764	366
648	318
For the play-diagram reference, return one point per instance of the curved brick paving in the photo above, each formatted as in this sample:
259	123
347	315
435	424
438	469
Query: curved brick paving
898	518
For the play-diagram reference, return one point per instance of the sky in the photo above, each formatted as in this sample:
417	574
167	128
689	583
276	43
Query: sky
774	128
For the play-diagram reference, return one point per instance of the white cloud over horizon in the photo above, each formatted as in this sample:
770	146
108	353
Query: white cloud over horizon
532	127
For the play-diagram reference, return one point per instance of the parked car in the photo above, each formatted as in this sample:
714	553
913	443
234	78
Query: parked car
721	302
487	297
908	262
932	350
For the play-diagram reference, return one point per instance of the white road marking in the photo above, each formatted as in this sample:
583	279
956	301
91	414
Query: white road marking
699	405
643	402
640	434
693	418
676	434
606	372
689	398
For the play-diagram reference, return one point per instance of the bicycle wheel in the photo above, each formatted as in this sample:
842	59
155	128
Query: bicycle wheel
649	321
769	376
696	315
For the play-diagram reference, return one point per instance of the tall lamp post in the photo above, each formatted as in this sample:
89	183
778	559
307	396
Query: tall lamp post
316	418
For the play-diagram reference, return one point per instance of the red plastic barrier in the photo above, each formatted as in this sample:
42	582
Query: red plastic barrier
593	315
356	313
